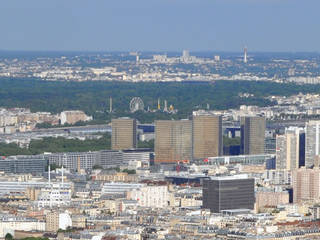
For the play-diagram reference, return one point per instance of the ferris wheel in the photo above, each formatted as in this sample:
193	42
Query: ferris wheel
136	104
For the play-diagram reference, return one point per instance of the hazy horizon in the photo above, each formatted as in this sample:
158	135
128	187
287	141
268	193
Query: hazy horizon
160	51
160	25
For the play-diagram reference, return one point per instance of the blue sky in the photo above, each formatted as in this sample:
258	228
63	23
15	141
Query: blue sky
160	25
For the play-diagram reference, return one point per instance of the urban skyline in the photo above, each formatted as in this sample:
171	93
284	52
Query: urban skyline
162	119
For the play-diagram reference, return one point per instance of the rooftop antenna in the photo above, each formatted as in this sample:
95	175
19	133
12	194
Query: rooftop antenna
165	109
245	57
62	177
110	106
49	177
50	186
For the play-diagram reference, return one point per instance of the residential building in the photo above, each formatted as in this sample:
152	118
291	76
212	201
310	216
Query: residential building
52	221
116	177
55	195
150	196
305	184
119	187
71	117
278	177
10	223
56	221
267	198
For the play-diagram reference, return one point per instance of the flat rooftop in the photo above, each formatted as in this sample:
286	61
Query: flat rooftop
233	177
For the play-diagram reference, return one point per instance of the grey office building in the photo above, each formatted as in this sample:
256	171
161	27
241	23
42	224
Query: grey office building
76	161
227	193
109	159
73	160
23	164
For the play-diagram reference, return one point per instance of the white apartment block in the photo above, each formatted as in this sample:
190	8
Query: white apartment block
150	196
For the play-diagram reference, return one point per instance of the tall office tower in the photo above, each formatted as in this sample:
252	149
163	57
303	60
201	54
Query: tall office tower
207	136
312	142
124	134
306	184
245	55
289	149
227	193
173	141
252	135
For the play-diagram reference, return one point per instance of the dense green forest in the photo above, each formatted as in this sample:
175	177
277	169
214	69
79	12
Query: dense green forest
231	141
146	144
10	237
93	97
59	144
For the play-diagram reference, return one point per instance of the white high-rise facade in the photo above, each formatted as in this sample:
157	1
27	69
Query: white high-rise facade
312	142
150	196
288	149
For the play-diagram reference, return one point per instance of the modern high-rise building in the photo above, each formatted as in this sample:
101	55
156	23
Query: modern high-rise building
252	135
290	149
173	141
312	142
207	136
124	134
282	158
227	193
306	183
